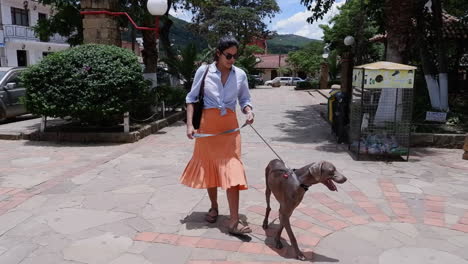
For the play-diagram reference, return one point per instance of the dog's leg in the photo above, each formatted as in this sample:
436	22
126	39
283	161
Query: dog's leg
268	209
278	243
292	238
267	197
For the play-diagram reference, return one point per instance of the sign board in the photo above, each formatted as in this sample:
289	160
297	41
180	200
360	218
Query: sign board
436	116
383	78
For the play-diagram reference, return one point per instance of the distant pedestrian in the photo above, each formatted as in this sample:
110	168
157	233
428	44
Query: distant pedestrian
216	161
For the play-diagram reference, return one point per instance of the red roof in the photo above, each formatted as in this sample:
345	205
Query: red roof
271	61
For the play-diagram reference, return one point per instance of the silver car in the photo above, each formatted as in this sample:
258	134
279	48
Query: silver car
11	90
283	81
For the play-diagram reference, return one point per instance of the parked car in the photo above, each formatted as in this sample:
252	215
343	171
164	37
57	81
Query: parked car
254	80
11	90
283	81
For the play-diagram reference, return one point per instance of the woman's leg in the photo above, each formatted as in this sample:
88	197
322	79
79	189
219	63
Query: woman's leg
213	194
233	200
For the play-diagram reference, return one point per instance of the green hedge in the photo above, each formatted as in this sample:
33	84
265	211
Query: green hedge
93	83
307	85
172	96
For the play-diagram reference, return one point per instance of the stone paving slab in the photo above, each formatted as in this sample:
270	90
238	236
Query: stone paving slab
122	203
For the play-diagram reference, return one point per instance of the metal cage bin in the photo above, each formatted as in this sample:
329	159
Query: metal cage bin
381	110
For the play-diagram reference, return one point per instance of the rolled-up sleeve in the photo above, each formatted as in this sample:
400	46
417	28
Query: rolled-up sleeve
192	96
244	94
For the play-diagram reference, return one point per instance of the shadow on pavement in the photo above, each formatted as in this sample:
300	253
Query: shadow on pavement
305	126
287	251
17	119
196	220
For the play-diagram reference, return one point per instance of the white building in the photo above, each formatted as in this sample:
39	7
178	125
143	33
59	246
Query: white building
18	44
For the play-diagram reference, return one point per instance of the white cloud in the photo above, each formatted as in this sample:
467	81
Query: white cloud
181	14
297	24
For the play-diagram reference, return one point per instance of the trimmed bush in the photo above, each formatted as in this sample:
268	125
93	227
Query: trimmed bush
307	85
95	84
172	96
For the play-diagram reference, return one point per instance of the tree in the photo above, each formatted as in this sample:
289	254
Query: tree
184	65
353	20
308	58
397	18
66	21
241	18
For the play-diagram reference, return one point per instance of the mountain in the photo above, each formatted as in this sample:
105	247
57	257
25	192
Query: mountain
282	44
180	35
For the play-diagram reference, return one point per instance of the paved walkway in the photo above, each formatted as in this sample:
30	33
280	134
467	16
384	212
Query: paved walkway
103	203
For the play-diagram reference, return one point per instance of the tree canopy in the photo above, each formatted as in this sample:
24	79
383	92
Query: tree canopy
308	58
241	18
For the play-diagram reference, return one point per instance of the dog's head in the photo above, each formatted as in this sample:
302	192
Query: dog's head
326	173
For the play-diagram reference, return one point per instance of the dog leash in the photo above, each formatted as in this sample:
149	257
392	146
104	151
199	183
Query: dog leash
268	145
201	135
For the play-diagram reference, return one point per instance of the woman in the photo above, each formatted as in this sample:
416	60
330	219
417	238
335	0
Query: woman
216	160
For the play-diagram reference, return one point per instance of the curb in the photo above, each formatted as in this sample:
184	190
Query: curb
453	141
107	137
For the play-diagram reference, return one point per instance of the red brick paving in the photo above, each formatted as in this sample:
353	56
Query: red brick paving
146	236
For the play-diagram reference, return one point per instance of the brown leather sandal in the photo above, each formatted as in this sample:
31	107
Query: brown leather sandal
210	218
235	230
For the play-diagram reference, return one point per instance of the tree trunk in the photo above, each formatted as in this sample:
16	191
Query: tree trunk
442	54
398	14
101	29
150	53
165	41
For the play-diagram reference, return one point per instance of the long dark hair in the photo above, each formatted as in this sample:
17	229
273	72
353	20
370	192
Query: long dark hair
225	43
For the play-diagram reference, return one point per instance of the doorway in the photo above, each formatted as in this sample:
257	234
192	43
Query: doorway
22	57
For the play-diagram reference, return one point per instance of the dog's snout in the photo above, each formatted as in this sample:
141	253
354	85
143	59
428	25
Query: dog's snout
339	178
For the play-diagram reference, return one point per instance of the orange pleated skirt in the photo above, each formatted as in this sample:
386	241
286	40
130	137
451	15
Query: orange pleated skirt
216	160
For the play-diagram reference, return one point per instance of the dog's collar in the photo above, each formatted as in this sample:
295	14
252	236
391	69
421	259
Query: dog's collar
305	187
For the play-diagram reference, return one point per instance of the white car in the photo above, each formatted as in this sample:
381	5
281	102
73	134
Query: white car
283	81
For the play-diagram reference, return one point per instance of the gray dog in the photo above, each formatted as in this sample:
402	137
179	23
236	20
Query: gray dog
289	187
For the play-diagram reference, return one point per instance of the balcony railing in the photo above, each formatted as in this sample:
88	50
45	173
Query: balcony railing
27	33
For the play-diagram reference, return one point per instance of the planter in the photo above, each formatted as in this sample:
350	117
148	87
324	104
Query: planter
109	137
454	141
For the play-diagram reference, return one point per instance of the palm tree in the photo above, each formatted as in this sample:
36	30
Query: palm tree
184	65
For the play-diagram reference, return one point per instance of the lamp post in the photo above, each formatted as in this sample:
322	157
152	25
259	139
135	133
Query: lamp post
323	82
347	66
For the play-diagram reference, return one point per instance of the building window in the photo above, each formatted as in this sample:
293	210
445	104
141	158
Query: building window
19	17
42	16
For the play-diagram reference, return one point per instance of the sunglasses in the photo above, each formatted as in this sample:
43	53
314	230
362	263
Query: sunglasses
230	56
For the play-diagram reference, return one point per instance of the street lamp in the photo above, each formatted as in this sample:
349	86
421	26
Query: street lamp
349	40
157	8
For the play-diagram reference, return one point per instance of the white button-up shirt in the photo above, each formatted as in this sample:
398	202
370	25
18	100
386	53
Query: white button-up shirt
218	95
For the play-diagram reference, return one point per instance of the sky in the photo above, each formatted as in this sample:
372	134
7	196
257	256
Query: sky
290	20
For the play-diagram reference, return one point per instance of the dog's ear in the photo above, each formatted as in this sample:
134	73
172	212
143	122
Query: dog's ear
316	171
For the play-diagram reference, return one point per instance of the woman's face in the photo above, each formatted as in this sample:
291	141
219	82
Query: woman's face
227	57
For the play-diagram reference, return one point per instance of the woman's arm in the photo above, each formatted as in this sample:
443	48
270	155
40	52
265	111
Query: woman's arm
190	128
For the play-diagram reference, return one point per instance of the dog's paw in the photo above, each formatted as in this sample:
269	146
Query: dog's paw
279	245
301	256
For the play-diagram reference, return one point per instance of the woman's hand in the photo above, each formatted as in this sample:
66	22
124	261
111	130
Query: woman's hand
249	117
190	131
